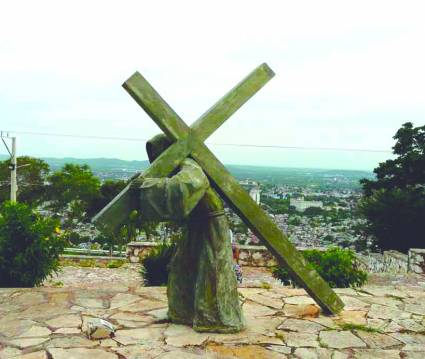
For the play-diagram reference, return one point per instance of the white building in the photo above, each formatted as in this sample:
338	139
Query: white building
255	194
301	205
253	189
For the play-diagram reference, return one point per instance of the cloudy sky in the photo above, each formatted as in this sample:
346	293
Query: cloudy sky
348	74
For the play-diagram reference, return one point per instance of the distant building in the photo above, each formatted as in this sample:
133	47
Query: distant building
301	205
255	194
253	189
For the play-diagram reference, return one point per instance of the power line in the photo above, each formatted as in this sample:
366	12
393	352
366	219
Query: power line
137	139
303	147
78	136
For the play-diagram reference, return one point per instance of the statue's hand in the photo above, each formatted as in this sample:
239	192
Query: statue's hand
136	175
136	182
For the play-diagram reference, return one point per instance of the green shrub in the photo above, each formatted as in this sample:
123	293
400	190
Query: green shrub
74	239
155	265
337	266
29	246
115	263
87	263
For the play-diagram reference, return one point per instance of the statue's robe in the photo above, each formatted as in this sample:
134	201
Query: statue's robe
202	287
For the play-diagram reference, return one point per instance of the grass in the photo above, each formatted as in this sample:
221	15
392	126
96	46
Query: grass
92	263
266	285
280	335
115	263
57	284
87	263
364	328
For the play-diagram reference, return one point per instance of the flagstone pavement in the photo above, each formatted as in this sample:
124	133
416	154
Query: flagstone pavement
380	321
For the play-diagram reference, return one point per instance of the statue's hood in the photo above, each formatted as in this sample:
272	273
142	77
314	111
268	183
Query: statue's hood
156	145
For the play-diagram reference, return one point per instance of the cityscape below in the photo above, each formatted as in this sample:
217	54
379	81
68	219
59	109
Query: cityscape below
314	207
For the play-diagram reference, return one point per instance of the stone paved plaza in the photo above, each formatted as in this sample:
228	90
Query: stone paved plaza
378	322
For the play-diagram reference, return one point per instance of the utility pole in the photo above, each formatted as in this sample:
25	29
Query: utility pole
13	168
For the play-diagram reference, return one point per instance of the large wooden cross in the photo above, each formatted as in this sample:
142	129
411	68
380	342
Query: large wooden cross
189	141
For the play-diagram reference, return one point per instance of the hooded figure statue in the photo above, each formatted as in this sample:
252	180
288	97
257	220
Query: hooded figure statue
202	287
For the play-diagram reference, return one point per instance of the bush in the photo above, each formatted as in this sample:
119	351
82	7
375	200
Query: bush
87	263
117	263
74	239
155	265
29	246
336	266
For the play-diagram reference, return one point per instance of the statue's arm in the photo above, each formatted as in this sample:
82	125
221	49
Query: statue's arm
175	197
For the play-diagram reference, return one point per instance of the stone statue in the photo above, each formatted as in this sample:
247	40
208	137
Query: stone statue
187	195
202	287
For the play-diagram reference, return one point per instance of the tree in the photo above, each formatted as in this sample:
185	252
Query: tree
29	246
150	229
107	191
394	203
75	188
31	180
277	206
313	211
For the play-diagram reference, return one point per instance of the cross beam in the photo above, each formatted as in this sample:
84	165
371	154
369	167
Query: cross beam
189	142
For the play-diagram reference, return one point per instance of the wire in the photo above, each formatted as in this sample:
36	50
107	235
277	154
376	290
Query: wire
302	147
136	139
77	136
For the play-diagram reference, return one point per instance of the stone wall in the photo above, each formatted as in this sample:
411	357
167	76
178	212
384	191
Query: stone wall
417	260
138	250
249	256
388	262
259	256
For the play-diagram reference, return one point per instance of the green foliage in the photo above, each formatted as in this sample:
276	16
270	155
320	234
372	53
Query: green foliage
87	263
29	246
276	205
266	285
150	229
74	187
337	267
129	230
394	203
115	263
73	239
155	265
364	328
396	218
107	191
31	179
294	221
314	211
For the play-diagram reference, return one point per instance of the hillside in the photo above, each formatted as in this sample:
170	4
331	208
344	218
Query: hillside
329	178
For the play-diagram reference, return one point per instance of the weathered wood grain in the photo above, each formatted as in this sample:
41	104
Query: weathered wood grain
213	118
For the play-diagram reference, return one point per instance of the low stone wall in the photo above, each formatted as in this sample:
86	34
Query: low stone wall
259	256
249	256
255	256
138	250
387	262
417	260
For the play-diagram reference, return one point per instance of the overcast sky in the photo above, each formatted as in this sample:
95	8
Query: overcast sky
348	74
